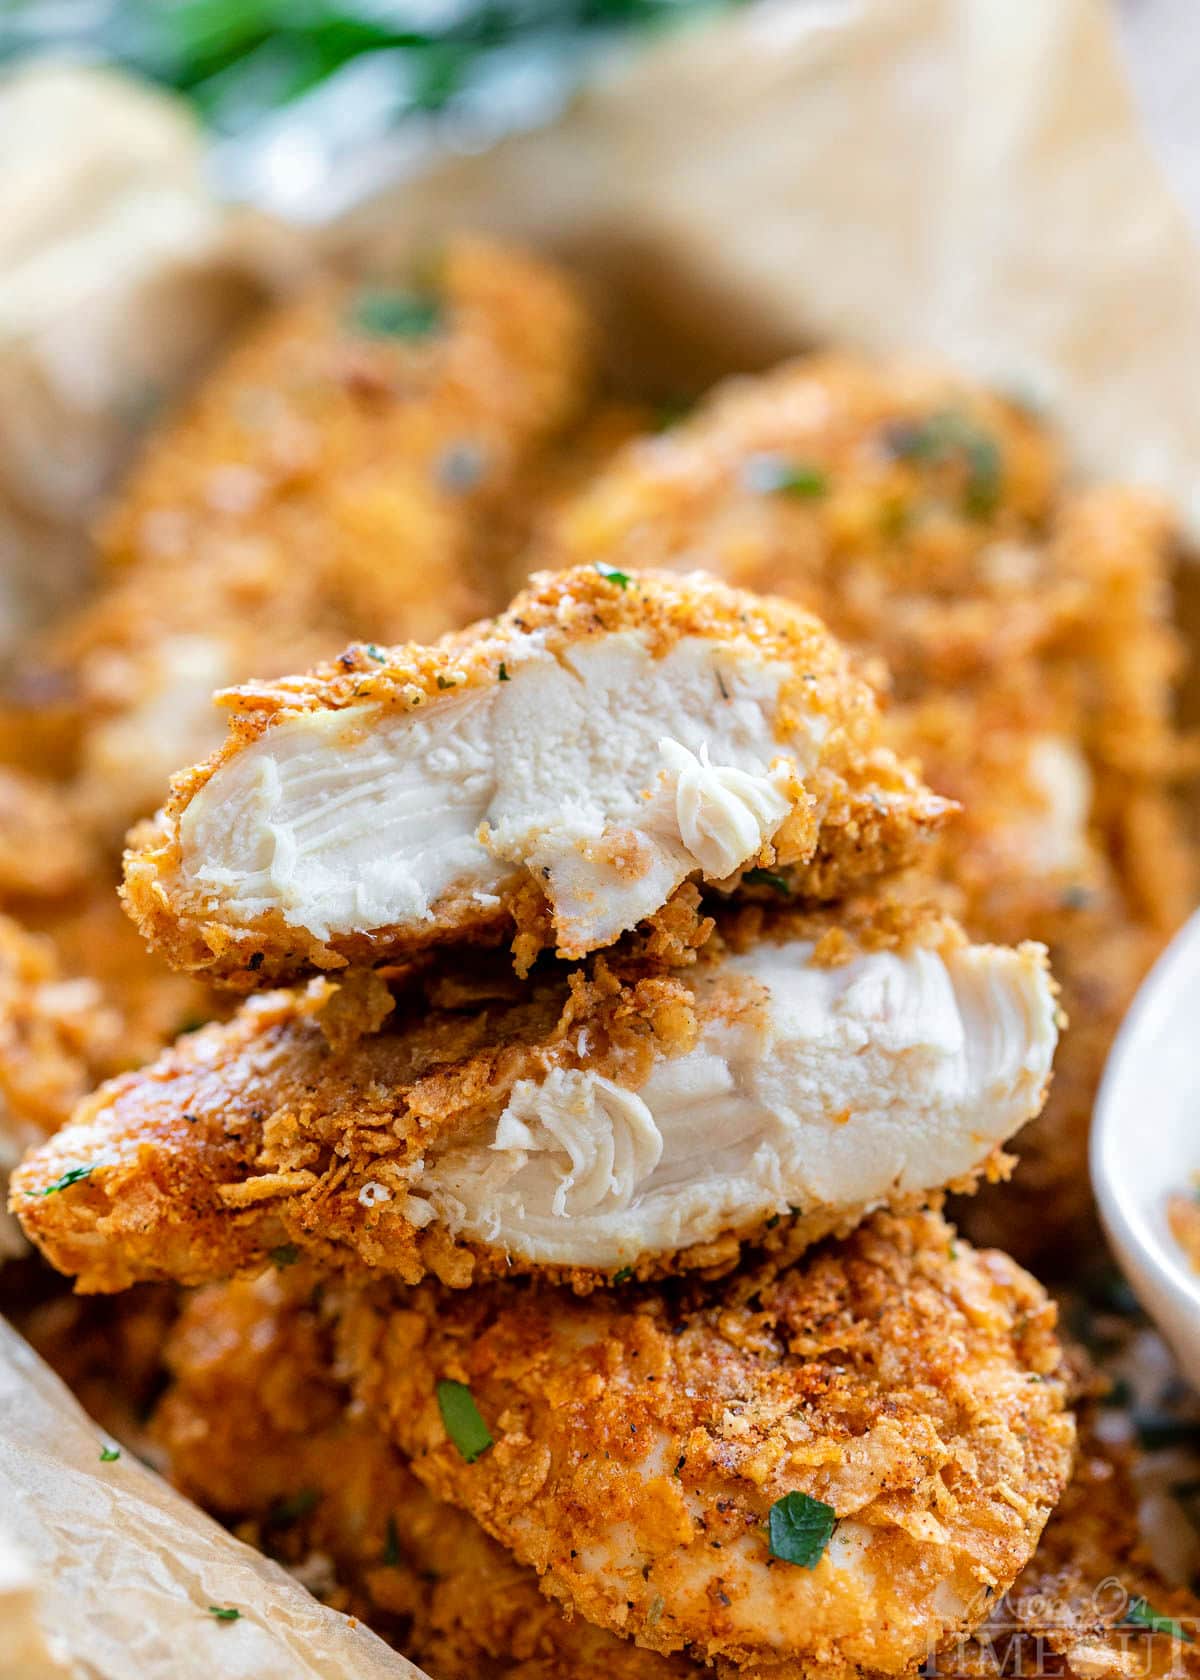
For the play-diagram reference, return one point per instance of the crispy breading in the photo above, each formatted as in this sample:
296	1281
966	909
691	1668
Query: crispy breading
640	1441
622	1117
1091	1569
359	465
256	1427
57	1038
44	849
1026	632
834	808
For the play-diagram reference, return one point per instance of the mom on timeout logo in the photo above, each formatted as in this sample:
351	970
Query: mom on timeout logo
1104	1632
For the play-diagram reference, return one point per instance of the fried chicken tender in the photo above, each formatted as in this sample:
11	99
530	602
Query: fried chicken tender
1026	630
1073	1602
563	769
910	1384
44	850
256	1427
57	1038
624	1116
355	467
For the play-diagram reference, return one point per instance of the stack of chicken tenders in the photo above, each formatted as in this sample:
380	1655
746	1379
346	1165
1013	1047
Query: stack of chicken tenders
565	1191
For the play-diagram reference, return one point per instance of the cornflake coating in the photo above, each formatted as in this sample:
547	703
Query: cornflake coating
561	770
57	1038
256	1428
44	850
797	1072
1092	1569
358	466
1026	632
640	1442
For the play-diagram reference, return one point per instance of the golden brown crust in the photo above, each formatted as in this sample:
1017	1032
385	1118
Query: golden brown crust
256	1428
1002	609
865	812
911	1383
333	477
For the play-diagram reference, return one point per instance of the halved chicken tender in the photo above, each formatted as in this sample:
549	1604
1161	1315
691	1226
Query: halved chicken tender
622	1117
563	769
824	1466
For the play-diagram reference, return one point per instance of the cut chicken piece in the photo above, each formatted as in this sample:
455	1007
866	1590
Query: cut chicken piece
563	769
1027	632
835	1465
626	1117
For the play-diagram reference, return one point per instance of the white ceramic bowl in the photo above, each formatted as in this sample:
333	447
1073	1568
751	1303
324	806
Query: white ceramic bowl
1146	1141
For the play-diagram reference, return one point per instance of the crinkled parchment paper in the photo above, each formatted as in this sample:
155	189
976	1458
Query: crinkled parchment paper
963	178
106	1572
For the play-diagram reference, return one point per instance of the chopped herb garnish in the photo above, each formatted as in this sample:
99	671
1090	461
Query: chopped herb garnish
460	467
256	961
764	878
391	1547
1076	898
395	314
1120	1393
778	475
1142	1614
624	1275
504	676
800	1527
190	1024
375	654
223	1612
446	682
1160	1429
286	1254
461	1417
680	1462
948	436
73	1175
613	574
109	1455
670	412
290	1510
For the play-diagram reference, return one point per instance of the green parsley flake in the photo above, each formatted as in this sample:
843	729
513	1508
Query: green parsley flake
613	574
290	1510
800	1527
391	1549
1141	1614
223	1612
73	1175
764	878
446	682
109	1455
462	1421
374	653
624	1275
949	435
504	676
395	314
286	1254
778	475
